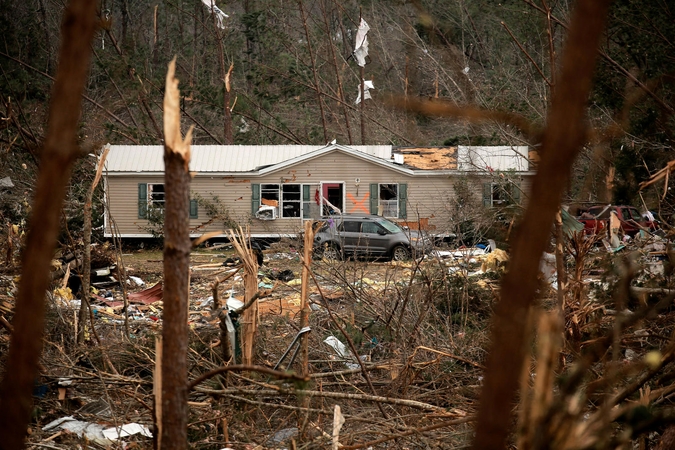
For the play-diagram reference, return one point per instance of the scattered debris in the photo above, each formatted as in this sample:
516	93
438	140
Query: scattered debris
97	433
148	296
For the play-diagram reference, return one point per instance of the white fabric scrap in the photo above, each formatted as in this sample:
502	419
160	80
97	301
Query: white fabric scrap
92	431
367	85
128	429
220	15
361	47
341	351
95	432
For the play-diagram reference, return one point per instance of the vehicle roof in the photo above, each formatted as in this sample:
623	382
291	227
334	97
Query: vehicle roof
354	216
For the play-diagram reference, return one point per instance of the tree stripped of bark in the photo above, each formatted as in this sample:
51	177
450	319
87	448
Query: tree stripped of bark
177	247
564	136
85	310
58	155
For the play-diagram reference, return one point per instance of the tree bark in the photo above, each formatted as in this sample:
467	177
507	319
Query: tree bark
177	247
315	75
86	259
563	138
59	153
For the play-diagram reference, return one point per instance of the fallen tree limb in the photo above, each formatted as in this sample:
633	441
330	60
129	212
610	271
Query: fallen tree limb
245	368
363	397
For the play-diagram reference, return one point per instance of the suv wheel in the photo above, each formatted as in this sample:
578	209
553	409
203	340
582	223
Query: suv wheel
331	252
400	253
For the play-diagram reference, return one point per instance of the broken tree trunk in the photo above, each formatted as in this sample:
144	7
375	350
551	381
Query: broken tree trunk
58	155
85	310
177	247
249	320
562	141
304	293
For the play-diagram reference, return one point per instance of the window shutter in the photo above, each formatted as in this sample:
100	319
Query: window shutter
374	197
402	201
306	199
515	193
255	198
194	209
142	201
487	194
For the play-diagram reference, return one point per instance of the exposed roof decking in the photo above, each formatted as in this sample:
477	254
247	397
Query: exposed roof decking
221	158
429	158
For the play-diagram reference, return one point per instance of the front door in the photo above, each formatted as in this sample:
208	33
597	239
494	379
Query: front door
333	195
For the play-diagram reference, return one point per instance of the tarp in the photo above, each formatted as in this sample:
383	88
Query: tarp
361	46
570	224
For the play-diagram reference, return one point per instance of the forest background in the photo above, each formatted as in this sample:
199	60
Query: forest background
282	72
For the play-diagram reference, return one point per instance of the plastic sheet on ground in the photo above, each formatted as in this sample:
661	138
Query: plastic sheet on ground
97	433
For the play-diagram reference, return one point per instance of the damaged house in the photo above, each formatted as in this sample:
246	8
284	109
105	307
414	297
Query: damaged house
272	189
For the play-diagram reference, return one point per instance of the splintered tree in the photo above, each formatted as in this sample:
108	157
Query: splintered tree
177	247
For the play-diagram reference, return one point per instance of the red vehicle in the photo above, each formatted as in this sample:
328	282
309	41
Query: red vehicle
596	220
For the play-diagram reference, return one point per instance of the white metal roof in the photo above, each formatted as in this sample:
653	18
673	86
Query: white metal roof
221	158
491	158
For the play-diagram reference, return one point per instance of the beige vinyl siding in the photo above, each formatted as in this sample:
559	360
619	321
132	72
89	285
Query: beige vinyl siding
122	199
429	196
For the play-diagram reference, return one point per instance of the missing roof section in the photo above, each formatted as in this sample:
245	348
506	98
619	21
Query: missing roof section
429	158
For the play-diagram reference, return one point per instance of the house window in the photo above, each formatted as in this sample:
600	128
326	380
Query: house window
389	199
287	198
388	196
156	196
501	194
290	195
151	198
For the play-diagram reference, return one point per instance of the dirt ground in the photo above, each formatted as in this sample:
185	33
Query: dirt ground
415	372
419	329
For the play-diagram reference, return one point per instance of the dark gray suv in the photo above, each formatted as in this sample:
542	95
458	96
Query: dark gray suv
368	235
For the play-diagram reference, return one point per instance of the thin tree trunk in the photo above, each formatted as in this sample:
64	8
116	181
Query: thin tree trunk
341	94
563	138
59	153
317	87
304	293
225	76
177	247
560	262
86	259
362	88
229	138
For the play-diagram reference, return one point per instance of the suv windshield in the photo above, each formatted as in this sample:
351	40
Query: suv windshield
390	226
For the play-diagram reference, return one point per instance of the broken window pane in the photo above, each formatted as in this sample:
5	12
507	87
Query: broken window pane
499	195
389	200
269	195
156	195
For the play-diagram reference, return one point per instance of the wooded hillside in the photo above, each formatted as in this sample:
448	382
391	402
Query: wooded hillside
292	78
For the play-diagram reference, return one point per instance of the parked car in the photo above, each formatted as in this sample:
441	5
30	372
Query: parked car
596	219
368	235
